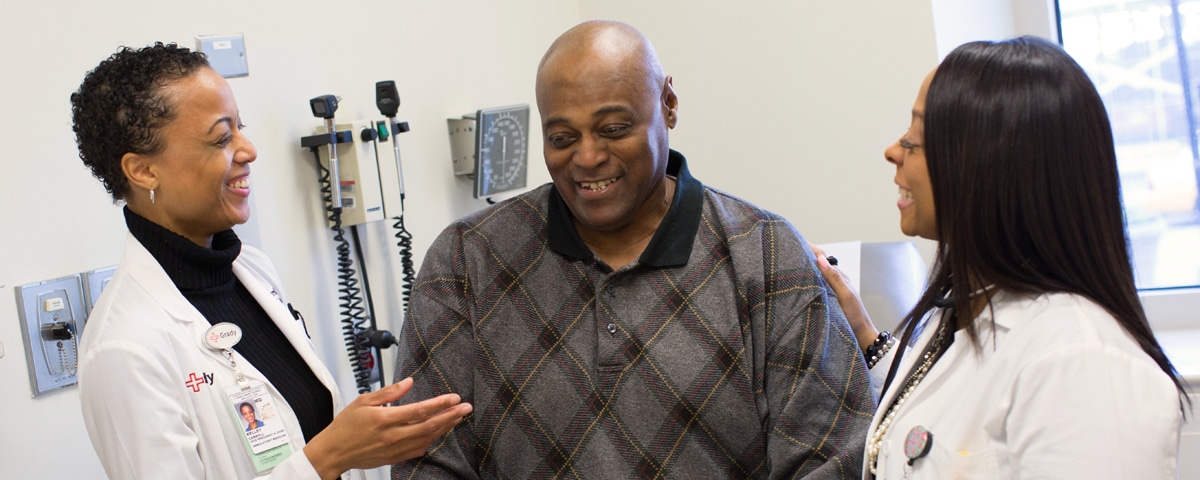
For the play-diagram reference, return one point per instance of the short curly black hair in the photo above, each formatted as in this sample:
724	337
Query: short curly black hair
119	108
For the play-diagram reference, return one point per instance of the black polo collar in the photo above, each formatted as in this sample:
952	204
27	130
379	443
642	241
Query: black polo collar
672	242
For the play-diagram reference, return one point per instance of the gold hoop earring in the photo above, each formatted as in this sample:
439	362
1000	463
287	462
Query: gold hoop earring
152	196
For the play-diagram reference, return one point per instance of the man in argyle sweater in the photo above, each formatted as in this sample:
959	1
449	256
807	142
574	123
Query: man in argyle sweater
626	321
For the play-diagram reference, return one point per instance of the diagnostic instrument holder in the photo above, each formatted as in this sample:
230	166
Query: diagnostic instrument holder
314	142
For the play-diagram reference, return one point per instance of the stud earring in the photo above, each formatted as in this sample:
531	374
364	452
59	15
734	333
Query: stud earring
152	196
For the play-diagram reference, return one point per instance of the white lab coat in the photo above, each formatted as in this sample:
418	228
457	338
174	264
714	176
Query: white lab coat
142	350
1061	392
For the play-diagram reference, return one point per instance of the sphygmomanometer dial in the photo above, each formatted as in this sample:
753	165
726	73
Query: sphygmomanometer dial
501	149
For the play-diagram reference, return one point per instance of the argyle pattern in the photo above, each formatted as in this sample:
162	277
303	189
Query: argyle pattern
738	364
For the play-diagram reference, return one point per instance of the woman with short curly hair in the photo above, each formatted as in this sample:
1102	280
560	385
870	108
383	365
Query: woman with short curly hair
193	324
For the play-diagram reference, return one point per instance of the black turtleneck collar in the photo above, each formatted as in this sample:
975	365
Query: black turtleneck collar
190	266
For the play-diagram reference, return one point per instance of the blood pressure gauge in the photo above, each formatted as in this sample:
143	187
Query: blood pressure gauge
492	147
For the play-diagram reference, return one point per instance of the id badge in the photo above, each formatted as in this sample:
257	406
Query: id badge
264	434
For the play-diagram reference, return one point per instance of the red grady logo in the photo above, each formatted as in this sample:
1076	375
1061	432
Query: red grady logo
194	381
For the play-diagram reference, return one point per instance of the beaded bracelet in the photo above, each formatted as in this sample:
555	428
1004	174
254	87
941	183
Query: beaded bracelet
879	348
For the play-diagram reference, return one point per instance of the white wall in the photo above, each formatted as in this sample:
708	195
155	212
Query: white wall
957	22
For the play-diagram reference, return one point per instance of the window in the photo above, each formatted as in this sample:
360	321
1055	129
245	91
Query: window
1144	57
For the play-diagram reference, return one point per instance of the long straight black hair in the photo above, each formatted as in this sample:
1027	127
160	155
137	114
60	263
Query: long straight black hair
1026	191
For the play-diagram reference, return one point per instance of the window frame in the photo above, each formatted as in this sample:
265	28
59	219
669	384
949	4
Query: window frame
1167	309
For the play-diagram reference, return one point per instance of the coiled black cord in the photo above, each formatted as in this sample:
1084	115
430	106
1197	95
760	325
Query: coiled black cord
404	241
349	294
376	339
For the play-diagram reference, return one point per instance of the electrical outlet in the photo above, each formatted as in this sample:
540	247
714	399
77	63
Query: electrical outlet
226	53
52	315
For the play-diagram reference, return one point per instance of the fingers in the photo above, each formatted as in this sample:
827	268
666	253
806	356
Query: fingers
823	262
421	434
427	408
833	276
385	395
422	411
405	414
404	386
446	419
440	421
852	307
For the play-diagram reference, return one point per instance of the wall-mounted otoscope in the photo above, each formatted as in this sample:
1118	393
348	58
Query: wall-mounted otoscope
387	98
323	107
350	296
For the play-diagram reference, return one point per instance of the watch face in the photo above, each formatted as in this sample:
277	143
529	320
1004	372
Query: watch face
502	149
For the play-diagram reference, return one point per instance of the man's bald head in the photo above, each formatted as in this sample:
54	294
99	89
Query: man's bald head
600	47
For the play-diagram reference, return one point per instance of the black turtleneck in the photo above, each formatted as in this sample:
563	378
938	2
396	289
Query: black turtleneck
205	277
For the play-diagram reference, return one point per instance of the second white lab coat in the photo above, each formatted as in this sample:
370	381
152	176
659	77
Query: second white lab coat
154	396
1061	391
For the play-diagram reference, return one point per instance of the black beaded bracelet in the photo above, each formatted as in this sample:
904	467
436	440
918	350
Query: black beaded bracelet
876	350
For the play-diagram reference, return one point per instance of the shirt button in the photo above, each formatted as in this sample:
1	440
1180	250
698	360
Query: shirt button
612	328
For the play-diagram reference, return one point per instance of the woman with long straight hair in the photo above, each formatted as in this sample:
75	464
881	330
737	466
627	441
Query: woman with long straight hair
1028	354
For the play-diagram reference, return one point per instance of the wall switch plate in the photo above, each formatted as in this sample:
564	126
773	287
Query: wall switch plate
94	283
51	318
226	53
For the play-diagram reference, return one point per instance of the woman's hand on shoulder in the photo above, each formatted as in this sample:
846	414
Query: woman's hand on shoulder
368	433
852	306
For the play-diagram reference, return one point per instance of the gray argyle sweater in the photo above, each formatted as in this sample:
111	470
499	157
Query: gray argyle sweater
720	353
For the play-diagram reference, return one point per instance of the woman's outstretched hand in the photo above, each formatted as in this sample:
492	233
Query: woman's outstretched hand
369	434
